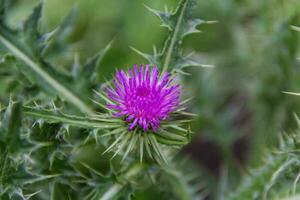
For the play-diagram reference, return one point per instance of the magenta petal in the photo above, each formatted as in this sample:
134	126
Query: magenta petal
133	124
142	97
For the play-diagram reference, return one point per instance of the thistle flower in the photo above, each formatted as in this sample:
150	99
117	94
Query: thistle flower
143	97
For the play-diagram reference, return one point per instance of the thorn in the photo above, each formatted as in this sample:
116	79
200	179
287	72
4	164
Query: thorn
207	66
211	22
154	50
37	106
40	122
76	65
189	54
11	101
166	8
295	28
28	196
53	105
66	128
34	123
139	52
182	72
291	93
87	139
297	119
160	15
183	102
95	134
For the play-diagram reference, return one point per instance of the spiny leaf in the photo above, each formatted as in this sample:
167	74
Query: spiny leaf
180	23
44	76
86	76
113	192
165	17
276	176
181	186
91	68
30	28
255	183
41	73
283	167
72	120
3	7
14	175
187	61
54	41
11	125
152	59
60	191
181	26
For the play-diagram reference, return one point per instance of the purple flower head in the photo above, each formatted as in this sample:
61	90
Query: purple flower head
143	97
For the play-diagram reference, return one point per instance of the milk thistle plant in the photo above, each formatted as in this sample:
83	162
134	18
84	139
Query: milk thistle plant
71	137
67	135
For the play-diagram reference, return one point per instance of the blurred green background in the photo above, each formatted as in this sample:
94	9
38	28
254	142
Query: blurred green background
240	102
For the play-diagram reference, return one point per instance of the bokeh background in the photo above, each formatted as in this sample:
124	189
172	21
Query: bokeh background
241	105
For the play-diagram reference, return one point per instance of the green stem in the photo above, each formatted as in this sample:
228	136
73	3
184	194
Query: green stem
173	39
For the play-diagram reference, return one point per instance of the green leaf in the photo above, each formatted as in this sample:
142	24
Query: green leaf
3	7
180	23
46	80
185	181
283	167
61	192
54	41
275	176
86	76
153	59
72	120
11	124
114	191
14	175
41	72
165	17
30	29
